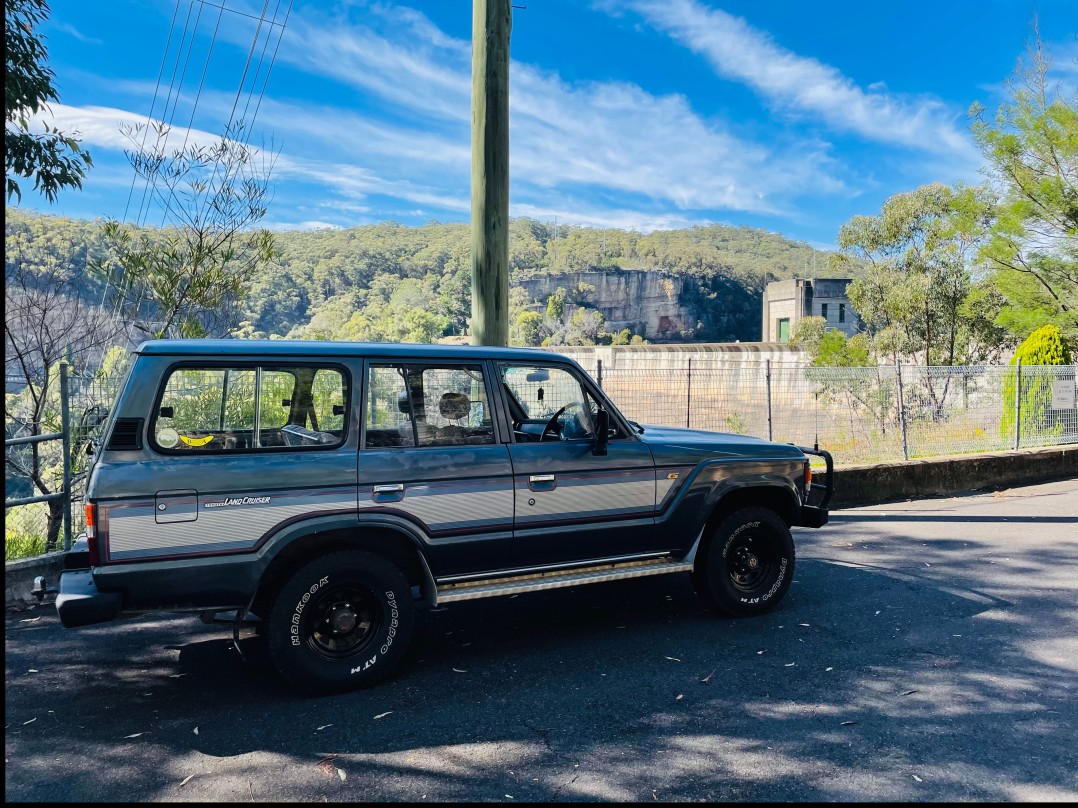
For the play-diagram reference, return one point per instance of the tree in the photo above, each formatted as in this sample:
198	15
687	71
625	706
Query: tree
188	279
51	158
918	253
1031	148
46	322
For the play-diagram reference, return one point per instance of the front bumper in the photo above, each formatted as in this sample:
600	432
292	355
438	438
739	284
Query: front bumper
79	602
816	515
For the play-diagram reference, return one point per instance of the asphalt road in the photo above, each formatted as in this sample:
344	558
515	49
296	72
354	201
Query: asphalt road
926	651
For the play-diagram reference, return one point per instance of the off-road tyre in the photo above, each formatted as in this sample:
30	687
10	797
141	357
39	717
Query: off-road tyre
342	621
747	564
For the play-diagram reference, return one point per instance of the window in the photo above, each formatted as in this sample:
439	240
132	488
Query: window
784	329
225	409
823	310
842	312
538	394
427	405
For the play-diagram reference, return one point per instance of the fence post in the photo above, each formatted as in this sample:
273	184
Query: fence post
688	394
767	376
599	373
901	411
65	430
1018	404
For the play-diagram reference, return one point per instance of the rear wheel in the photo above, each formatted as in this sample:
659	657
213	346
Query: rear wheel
748	564
342	621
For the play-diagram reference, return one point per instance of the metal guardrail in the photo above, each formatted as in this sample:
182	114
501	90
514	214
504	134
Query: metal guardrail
64	435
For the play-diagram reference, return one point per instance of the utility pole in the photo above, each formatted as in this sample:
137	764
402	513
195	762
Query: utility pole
491	24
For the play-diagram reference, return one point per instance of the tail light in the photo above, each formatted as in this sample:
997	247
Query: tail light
91	533
808	479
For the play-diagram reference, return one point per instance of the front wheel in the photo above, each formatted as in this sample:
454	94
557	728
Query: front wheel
342	621
748	563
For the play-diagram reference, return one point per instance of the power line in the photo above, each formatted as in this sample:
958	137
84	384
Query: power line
160	75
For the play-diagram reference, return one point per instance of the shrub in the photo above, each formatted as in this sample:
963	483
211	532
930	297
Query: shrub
1045	346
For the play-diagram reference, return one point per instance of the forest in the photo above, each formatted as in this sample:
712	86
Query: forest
391	282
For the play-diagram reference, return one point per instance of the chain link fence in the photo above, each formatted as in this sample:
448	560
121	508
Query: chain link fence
860	415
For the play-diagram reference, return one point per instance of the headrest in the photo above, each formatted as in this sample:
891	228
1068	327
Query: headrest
453	406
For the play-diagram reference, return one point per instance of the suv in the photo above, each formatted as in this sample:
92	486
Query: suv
321	490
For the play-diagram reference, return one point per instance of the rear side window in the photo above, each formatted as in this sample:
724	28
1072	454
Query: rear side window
266	407
427	405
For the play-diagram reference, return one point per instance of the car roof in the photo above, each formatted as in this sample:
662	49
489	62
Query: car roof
374	350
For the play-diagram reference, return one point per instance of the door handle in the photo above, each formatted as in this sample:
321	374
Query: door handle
393	492
542	482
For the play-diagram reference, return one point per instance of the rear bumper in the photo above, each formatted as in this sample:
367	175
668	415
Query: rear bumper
79	602
816	515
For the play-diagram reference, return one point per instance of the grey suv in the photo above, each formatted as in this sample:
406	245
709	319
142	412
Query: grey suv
321	490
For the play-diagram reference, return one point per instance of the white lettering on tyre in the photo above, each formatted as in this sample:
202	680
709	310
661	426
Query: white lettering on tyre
391	598
364	666
294	628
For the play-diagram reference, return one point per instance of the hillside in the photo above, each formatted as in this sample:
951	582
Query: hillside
390	281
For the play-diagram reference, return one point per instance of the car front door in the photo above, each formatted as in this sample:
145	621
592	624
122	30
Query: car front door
572	503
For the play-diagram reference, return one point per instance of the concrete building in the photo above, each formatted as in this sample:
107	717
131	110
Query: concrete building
786	302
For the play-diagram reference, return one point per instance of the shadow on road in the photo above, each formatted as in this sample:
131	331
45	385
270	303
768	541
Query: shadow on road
606	692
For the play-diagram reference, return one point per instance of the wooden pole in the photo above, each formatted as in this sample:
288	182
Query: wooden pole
491	24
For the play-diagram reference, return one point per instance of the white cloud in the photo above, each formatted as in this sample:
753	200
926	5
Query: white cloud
801	85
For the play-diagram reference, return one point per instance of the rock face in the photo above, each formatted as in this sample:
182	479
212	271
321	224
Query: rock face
656	304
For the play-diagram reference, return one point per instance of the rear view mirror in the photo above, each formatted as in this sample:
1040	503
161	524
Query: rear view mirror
338	409
538	375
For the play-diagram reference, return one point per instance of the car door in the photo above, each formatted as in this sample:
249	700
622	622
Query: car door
433	457
572	504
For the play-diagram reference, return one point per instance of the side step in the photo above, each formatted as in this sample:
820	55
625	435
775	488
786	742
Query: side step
472	590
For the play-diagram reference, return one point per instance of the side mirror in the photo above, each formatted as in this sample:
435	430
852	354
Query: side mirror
602	433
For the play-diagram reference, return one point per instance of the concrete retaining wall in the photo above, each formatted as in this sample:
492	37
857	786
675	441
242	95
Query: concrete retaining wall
19	577
911	479
854	485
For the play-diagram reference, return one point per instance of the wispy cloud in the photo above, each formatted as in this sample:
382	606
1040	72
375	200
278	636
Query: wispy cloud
67	28
803	86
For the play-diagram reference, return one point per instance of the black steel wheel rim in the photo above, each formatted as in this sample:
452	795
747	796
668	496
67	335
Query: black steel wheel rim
750	562
342	622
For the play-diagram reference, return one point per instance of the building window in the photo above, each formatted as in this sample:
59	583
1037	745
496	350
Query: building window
842	312
823	310
784	329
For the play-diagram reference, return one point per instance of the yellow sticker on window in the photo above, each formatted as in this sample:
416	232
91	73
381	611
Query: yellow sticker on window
196	441
673	475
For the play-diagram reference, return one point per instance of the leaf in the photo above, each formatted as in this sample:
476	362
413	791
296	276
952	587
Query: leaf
196	730
909	692
707	678
31	721
324	726
680	696
382	715
918	779
806	625
342	775
789	664
848	723
828	670
32	670
30	620
672	659
458	670
134	735
758	653
185	780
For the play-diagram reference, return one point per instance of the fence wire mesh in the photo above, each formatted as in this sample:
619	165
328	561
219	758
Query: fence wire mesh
860	415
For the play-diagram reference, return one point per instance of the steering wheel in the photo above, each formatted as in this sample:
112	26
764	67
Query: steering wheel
551	427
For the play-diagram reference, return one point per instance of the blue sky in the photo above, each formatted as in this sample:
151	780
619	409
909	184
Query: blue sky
789	116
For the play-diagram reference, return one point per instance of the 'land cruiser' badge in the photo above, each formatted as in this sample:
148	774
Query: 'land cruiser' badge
229	501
